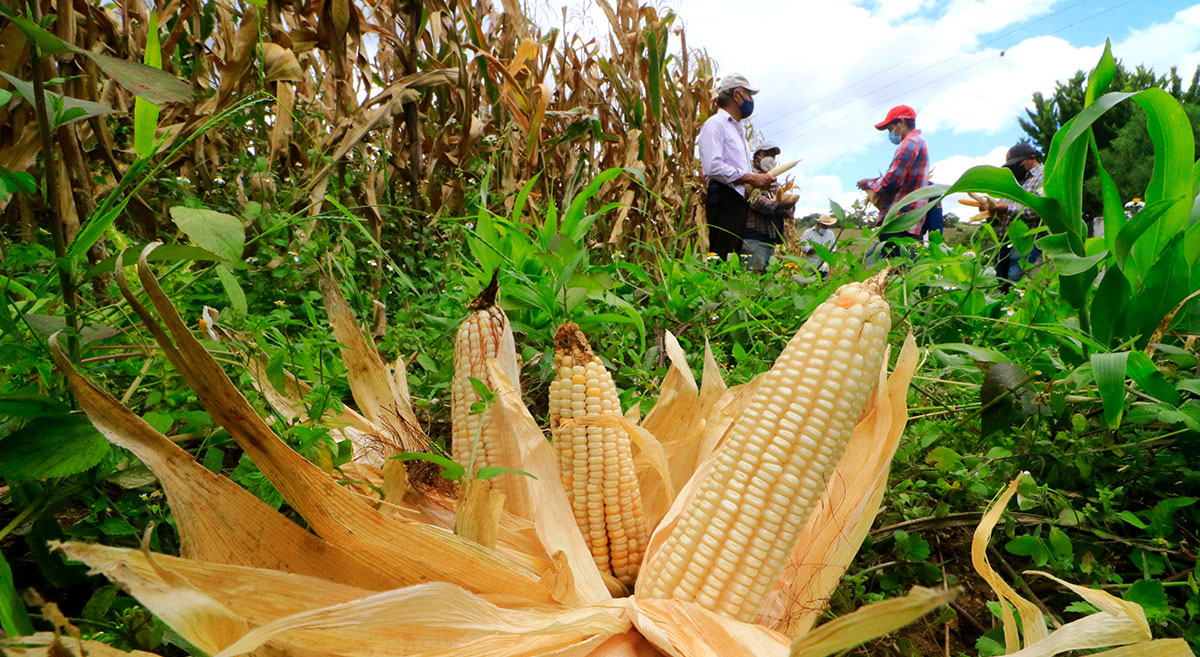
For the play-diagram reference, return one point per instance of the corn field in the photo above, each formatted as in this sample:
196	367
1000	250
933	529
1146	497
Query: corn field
397	103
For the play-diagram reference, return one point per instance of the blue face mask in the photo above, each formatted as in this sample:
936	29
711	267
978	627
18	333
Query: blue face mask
895	139
746	107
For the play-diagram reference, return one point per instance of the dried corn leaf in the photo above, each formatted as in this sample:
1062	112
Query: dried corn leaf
1033	623
689	630
258	595
373	389
870	622
46	644
428	618
842	518
1117	623
411	551
628	644
552	516
1156	648
217	519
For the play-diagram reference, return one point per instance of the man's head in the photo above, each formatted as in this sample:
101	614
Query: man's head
764	156
736	96
824	222
900	121
1022	154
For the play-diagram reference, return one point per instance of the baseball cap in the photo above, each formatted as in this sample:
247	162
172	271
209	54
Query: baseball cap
1020	152
735	80
767	146
897	112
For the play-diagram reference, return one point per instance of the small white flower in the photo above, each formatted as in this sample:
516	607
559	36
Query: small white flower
372	262
279	302
1008	311
183	179
970	253
218	180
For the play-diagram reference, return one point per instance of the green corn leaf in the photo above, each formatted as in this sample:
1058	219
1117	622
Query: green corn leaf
145	113
60	110
1102	76
575	223
1174	147
1109	372
1108	305
1132	231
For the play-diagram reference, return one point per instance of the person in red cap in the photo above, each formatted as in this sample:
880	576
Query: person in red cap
909	170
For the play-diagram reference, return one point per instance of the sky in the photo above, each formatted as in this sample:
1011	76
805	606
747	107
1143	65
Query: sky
828	70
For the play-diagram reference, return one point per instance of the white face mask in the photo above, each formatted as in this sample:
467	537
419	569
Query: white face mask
767	163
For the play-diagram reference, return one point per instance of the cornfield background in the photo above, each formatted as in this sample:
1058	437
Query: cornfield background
387	104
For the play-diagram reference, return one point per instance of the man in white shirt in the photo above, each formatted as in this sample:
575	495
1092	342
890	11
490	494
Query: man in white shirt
725	161
821	234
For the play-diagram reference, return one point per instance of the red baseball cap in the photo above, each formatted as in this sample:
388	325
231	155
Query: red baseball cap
897	112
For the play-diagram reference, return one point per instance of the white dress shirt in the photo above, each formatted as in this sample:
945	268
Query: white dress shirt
724	153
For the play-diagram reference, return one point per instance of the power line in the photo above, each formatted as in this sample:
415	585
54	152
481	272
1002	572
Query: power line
783	141
920	71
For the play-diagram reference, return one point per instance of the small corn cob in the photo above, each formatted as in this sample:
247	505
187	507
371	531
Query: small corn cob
484	334
733	539
595	457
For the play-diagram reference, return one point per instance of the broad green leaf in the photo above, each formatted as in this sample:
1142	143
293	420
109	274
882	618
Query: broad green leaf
145	113
214	231
1165	285
1069	264
1150	594
31	405
46	42
1114	210
895	222
1109	372
13	618
237	298
5	96
1060	543
1143	371
51	447
60	110
10	286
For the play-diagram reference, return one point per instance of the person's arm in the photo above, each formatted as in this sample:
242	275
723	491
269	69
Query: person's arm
763	202
901	164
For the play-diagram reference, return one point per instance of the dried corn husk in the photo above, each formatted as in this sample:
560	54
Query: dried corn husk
1117	623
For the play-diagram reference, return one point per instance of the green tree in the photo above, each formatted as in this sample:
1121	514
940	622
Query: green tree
1121	134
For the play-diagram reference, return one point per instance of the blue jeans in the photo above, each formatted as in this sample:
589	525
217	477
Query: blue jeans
757	251
1017	268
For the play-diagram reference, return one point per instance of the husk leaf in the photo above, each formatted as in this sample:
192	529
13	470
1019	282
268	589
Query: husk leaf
218	520
411	551
553	519
870	622
1032	621
688	630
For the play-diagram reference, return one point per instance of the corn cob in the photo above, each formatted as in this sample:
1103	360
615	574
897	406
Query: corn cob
484	334
595	457
731	542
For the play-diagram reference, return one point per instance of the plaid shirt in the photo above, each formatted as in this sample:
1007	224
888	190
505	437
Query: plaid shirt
908	172
763	215
1002	220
